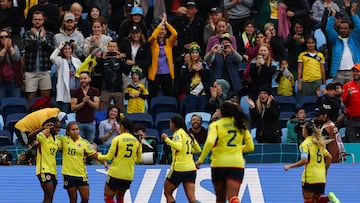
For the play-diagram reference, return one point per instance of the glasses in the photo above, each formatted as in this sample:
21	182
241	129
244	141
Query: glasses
4	37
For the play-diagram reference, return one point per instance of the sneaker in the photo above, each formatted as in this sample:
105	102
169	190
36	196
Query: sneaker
333	198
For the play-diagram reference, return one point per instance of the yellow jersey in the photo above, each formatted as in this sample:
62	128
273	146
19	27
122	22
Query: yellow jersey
226	142
314	171
46	153
183	147
124	151
73	156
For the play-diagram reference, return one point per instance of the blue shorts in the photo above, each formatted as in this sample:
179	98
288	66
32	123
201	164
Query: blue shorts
47	177
115	183
176	177
318	188
72	181
220	174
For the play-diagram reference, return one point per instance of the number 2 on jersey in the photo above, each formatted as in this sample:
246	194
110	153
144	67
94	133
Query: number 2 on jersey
233	133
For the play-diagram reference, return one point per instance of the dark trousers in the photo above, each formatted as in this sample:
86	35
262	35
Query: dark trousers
161	82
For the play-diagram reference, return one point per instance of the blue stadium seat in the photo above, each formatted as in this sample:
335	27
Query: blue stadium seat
5	138
284	117
308	103
11	105
143	118
11	120
287	103
162	120
153	133
161	104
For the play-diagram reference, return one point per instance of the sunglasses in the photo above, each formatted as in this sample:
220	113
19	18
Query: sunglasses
4	37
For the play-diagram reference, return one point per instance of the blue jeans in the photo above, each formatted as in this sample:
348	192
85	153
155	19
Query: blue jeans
196	103
9	89
65	107
87	130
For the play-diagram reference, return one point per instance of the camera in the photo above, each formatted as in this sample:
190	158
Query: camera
220	47
226	46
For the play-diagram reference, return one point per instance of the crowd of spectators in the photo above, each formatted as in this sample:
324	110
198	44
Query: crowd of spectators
206	52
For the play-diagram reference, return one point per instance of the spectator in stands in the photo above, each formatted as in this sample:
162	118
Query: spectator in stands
111	67
136	92
221	27
265	111
120	10
82	25
110	128
196	76
330	132
68	33
38	44
261	71
152	9
294	126
285	79
299	11
34	121
277	43
197	130
96	40
148	144
238	13
210	28
183	170
218	94
48	144
161	71
313	147
344	46
51	16
106	30
351	99
9	19
11	78
66	66
268	12
227	161
84	101
93	14
190	28
73	167
121	172
137	50
295	43
311	69
247	39
136	18
224	62
317	11
331	103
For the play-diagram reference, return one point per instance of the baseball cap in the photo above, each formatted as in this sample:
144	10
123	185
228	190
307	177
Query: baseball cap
190	4
62	117
356	66
319	111
135	28
215	10
69	16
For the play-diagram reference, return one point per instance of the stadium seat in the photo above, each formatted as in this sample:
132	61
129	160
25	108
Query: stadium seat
143	118
162	120
153	133
284	135
11	120
5	138
308	103
287	103
245	105
11	105
206	117
161	104
284	117
100	116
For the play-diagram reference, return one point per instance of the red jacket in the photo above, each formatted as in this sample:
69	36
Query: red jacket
352	102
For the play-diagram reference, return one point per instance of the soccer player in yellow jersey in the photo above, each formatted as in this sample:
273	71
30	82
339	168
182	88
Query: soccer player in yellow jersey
317	161
228	138
183	170
74	150
48	145
125	151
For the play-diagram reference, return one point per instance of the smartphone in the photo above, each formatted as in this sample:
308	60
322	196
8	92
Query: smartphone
71	41
110	53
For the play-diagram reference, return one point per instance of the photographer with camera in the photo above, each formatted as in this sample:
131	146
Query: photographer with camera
224	62
330	131
111	66
294	126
